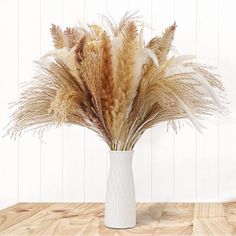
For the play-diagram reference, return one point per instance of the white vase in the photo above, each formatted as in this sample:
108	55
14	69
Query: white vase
120	206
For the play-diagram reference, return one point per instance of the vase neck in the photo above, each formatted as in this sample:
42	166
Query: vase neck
124	157
121	154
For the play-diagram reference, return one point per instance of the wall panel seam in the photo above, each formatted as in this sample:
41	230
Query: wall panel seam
218	118
18	91
62	128
151	154
40	144
196	134
85	170
173	138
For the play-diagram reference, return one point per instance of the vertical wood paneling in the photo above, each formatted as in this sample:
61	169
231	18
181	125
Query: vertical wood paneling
71	164
73	136
96	150
185	141
227	128
142	168
207	152
142	157
117	9
29	50
51	160
8	93
162	141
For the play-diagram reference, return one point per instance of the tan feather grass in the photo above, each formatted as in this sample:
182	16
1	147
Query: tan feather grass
111	83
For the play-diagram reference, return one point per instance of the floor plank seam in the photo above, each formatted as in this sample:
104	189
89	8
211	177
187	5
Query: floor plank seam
159	219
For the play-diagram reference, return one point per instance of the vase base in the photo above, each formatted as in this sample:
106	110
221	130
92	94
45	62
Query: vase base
120	227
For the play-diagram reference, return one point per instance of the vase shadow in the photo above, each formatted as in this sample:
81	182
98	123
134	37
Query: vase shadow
149	215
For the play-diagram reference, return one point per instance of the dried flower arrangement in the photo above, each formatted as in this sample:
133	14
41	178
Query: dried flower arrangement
112	82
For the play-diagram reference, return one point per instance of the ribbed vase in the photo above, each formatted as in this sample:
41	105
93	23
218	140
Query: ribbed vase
120	206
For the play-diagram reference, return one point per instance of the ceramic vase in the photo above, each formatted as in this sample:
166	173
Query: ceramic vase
120	205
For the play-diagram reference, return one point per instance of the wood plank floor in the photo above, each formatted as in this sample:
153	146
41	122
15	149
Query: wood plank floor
52	219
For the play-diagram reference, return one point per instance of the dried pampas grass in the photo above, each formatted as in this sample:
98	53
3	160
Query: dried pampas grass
113	83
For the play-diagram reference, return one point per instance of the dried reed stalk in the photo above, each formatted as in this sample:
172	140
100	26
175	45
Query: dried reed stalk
113	83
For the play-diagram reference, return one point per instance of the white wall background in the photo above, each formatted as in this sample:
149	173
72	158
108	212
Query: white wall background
71	164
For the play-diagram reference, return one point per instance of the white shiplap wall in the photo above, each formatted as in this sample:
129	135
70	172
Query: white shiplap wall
71	164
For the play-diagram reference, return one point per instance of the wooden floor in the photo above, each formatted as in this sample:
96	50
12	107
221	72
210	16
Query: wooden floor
87	219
